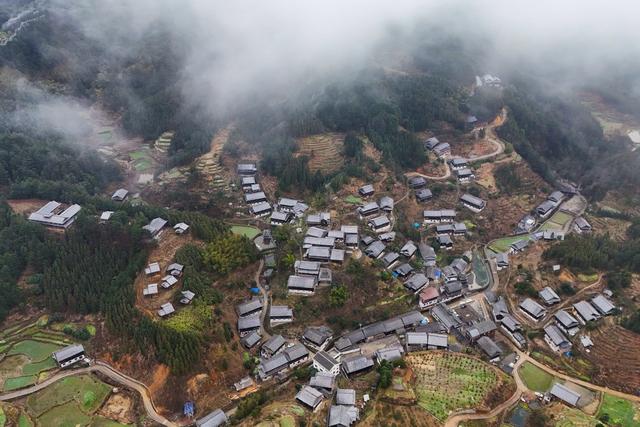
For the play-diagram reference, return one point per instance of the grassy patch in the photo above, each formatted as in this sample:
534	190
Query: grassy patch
570	417
621	412
245	230
535	378
3	418
66	415
37	367
587	277
35	350
19	382
353	200
561	218
24	420
69	389
91	329
502	245
287	421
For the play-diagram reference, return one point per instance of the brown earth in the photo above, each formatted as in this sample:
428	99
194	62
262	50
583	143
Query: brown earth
615	353
26	206
119	407
383	414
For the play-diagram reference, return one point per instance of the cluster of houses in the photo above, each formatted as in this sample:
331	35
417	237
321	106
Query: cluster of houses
566	323
376	213
254	197
172	273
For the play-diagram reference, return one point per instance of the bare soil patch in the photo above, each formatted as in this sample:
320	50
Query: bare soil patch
119	407
26	206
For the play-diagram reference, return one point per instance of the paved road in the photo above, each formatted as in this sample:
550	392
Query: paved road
109	372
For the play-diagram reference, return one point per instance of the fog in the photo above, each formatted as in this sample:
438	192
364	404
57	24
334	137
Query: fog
234	53
238	50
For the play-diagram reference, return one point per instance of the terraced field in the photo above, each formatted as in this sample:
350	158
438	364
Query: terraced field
624	344
324	151
27	349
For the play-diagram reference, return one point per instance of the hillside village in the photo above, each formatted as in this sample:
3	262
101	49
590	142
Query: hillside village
457	297
283	215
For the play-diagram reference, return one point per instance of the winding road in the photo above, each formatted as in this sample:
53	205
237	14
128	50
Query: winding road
110	373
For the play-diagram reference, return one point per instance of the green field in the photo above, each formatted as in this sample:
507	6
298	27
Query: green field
19	382
37	367
87	392
448	382
35	350
502	245
535	378
24	421
245	230
621	412
353	200
66	415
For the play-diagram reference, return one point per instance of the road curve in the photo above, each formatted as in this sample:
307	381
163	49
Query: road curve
591	386
109	372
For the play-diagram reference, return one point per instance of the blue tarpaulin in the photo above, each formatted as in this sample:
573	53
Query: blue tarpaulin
189	409
255	290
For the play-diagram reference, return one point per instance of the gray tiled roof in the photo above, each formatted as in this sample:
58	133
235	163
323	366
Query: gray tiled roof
309	396
346	396
586	311
473	200
533	308
356	364
317	334
301	282
416	282
489	347
68	352
274	343
565	319
323	380
564	393
249	322
213	419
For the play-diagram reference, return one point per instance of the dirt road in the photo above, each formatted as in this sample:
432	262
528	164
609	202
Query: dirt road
109	372
591	386
265	300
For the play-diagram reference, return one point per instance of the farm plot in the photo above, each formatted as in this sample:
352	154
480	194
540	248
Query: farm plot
535	378
245	230
502	245
324	151
624	344
25	360
73	399
619	411
558	221
447	382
